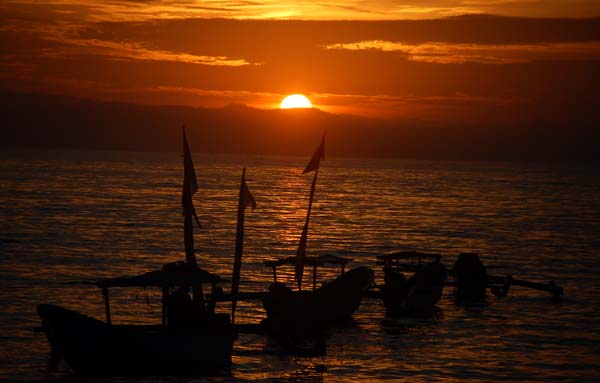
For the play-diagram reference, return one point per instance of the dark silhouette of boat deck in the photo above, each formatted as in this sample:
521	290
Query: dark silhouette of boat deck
100	348
334	301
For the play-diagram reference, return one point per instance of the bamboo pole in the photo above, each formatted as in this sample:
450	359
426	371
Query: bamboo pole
106	305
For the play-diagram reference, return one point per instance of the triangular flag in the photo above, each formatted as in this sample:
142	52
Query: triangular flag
319	155
190	182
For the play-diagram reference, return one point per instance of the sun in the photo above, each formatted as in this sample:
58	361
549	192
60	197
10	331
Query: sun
295	101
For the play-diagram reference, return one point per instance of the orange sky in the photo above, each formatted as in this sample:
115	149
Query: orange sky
408	59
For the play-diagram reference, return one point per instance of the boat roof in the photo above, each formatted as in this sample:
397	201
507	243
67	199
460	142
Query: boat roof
310	261
410	255
172	274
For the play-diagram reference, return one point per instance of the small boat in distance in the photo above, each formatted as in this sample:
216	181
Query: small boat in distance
417	295
471	280
190	339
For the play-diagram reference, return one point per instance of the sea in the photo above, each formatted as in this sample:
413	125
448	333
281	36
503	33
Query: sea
72	215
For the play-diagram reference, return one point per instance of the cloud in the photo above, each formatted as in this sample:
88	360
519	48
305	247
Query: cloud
132	51
31	42
449	53
124	10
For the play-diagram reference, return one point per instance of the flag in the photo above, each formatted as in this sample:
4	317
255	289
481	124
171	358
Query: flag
319	155
190	182
245	199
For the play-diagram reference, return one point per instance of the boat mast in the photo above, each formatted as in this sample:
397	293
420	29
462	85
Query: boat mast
301	252
245	199
190	186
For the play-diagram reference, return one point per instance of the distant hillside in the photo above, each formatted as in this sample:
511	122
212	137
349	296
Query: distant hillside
44	121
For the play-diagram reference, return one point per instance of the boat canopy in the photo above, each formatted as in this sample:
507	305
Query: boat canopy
310	261
172	274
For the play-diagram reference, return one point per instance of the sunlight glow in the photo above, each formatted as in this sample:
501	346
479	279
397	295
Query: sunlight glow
294	101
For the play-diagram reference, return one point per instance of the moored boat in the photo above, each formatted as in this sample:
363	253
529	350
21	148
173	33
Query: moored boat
334	301
299	311
191	337
417	295
200	343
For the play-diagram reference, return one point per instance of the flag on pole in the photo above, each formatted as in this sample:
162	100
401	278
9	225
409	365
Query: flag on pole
245	199
319	155
313	164
190	182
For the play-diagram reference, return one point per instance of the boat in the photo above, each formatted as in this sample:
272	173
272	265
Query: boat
332	302
199	342
300	310
415	296
297	319
190	339
471	281
470	276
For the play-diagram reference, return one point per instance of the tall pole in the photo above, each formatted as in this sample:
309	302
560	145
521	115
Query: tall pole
313	164
300	254
245	198
190	186
188	237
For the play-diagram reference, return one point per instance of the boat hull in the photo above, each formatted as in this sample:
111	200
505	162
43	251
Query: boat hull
334	301
416	296
94	348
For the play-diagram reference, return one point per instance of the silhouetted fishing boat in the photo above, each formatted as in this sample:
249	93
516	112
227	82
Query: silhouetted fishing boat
471	281
417	295
296	318
334	301
289	310
191	338
196	340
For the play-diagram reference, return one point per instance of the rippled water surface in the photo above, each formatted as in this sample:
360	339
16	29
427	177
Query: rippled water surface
74	215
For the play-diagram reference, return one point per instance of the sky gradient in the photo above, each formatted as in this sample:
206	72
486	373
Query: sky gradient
429	60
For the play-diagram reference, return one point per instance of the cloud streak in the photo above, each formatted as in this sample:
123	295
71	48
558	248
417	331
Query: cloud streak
449	53
132	51
123	10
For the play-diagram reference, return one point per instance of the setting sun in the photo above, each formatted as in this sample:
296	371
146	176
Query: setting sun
295	101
